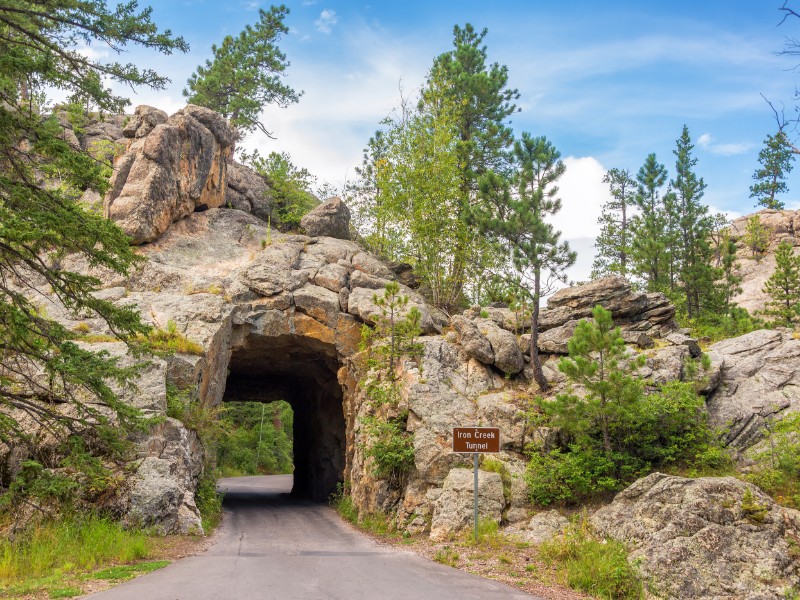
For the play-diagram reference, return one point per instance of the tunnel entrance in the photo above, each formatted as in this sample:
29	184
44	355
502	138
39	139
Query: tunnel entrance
301	371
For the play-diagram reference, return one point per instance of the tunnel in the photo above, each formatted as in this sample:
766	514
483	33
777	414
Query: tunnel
301	371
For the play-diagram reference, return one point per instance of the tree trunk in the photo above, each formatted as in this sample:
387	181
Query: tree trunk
536	363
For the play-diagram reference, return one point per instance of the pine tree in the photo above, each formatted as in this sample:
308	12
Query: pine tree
783	287
729	284
756	236
46	378
648	227
245	73
775	158
694	227
516	219
613	244
478	93
595	363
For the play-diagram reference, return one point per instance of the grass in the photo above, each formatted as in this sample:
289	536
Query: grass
50	555
376	523
170	340
124	572
587	563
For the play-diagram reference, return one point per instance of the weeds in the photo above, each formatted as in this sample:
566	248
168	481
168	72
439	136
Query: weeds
74	544
596	566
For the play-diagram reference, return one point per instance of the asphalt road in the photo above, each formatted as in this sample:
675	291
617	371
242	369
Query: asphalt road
271	546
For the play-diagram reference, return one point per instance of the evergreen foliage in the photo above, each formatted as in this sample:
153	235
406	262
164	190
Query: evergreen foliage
693	227
614	432
776	162
420	175
244	75
45	377
783	287
514	218
613	243
482	100
649	226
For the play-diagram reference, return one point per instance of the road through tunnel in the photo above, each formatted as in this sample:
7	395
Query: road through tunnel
301	371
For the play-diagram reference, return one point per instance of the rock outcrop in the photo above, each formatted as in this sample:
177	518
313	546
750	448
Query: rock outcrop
279	316
710	538
248	191
755	270
454	506
652	314
174	168
759	381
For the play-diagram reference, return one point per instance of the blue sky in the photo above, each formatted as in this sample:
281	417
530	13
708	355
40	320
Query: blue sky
608	82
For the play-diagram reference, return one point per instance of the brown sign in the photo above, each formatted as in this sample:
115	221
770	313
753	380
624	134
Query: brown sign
476	439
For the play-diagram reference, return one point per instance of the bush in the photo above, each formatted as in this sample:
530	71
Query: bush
569	477
390	447
615	431
720	326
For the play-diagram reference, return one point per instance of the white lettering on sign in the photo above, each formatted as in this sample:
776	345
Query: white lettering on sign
476	439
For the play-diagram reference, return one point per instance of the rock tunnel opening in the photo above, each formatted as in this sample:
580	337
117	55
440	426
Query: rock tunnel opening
301	371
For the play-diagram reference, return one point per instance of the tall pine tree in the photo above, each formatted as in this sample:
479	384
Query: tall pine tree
775	160
245	74
693	227
462	78
649	226
613	244
515	219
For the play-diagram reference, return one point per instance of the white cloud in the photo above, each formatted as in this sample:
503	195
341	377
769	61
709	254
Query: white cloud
327	19
706	141
91	53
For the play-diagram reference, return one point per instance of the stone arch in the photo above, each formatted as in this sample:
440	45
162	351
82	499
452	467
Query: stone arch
302	368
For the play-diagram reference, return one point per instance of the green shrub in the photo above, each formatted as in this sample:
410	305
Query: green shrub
390	448
615	431
776	468
208	500
569	477
720	326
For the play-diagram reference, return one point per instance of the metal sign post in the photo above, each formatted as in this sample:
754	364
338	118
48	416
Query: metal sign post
477	440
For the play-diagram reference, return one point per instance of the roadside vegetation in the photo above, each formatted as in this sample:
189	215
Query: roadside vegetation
74	553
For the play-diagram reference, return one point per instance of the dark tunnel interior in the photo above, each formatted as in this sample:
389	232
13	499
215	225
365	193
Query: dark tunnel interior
301	371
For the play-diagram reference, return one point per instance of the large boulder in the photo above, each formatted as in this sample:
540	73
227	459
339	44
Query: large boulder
162	490
248	191
636	311
760	381
454	508
705	538
175	169
331	219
